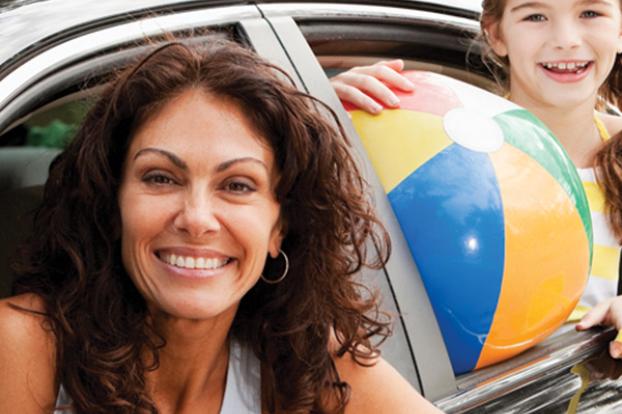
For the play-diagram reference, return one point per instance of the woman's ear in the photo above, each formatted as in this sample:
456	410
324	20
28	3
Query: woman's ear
494	37
276	239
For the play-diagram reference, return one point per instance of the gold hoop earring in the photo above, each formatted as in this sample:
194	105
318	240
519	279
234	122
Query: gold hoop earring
280	279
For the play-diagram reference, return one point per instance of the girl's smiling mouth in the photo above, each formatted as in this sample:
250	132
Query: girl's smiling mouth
566	71
566	66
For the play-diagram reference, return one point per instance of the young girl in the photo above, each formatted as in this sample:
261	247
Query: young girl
559	59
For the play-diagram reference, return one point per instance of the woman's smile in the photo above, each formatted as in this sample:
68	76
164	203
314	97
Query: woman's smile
191	263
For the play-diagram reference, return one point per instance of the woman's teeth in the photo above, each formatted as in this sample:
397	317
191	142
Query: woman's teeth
188	262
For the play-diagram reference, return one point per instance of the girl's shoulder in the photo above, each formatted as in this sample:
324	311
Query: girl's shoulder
613	123
27	356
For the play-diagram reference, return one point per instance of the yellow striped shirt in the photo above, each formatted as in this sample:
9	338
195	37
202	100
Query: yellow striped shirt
603	281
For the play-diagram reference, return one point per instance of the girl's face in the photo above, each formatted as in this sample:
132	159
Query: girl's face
560	51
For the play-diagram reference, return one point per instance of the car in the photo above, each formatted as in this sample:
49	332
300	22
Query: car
57	54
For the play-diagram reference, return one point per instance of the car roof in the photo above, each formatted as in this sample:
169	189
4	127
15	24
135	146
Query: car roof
29	25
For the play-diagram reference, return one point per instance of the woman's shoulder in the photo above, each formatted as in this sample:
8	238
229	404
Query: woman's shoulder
613	123
27	355
25	311
379	388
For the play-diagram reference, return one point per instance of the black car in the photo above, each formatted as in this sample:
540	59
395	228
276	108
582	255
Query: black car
56	54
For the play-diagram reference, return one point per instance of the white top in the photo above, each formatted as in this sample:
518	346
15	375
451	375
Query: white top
242	390
603	281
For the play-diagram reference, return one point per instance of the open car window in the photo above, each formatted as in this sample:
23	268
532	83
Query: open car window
441	41
44	99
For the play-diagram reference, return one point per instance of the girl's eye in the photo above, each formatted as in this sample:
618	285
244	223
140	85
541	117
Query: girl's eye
535	18
590	14
158	179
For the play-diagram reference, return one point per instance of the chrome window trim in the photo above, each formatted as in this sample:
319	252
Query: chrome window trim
471	5
326	11
76	49
56	19
557	353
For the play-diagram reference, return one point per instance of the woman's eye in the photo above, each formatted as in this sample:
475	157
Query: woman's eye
158	179
535	18
239	187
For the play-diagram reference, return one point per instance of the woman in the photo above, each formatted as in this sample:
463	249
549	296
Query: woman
198	173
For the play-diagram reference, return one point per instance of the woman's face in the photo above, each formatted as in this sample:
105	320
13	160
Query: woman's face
560	52
198	209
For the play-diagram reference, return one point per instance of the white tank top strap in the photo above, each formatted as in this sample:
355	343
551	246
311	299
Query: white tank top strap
242	389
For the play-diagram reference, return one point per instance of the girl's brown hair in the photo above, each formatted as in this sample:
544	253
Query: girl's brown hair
499	66
104	342
608	161
608	166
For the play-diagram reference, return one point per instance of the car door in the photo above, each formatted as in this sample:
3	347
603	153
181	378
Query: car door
324	38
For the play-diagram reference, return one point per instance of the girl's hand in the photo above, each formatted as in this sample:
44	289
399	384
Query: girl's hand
608	313
362	86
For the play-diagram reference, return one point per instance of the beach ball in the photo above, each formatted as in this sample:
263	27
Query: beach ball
493	211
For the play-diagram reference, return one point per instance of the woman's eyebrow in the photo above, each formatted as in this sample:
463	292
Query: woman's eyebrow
223	166
172	157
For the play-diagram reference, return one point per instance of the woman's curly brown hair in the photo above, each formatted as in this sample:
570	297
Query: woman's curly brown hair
98	317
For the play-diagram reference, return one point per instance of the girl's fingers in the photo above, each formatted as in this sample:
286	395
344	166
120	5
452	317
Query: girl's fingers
372	88
595	316
357	98
615	347
365	86
606	313
388	74
395	64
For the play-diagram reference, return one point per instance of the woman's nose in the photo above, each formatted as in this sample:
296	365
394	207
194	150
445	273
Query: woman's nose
197	215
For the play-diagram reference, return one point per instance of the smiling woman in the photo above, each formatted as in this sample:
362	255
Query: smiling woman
219	179
198	180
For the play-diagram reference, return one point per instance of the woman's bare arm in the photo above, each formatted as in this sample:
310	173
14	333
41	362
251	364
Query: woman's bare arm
380	389
27	358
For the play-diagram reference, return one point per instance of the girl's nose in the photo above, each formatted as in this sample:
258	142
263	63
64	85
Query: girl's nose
566	35
197	215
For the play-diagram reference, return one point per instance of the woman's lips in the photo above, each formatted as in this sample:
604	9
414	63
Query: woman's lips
195	265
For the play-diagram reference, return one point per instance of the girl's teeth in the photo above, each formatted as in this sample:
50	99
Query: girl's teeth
567	67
